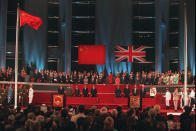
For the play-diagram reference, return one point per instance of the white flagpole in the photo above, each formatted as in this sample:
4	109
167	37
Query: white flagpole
16	57
185	57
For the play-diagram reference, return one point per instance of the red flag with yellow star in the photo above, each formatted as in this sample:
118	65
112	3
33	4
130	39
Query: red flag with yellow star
91	54
32	21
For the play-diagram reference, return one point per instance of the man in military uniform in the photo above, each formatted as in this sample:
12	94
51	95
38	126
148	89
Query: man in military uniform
127	91
94	91
2	93
85	91
20	95
24	96
167	98
175	99
118	91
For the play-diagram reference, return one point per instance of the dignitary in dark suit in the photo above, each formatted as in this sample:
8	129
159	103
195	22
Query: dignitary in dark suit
94	91
92	79
60	90
135	91
123	79
69	91
131	79
142	95
77	91
118	91
137	79
85	91
127	91
142	92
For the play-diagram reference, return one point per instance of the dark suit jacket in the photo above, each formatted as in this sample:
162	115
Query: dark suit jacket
77	92
118	92
85	92
123	80
127	92
142	92
61	91
94	92
135	92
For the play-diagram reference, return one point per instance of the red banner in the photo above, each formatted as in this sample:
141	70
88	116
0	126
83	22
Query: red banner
58	100
32	21
91	54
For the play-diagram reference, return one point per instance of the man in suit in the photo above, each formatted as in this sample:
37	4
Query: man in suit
94	91
135	91
85	91
77	91
127	91
142	95
123	79
69	91
142	92
60	90
118	91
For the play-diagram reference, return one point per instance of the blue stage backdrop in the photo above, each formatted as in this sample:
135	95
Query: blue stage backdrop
65	13
113	27
191	34
161	33
35	41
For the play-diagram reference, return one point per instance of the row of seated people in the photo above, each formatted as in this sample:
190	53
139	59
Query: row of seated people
93	91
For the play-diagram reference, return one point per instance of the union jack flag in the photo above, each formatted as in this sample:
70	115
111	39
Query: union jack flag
128	53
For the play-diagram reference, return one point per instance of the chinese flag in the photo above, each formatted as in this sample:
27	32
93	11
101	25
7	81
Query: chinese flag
91	54
32	21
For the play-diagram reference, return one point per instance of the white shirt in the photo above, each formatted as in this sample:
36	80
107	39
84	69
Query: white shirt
31	92
182	95
168	95
192	94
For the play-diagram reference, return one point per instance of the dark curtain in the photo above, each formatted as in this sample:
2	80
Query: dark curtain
3	32
35	41
113	27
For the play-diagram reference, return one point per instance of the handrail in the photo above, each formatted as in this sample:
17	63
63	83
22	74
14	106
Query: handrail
59	84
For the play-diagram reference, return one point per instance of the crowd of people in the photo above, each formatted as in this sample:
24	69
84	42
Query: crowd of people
92	77
47	118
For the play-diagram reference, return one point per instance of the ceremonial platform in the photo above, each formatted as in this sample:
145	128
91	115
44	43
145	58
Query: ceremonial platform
105	96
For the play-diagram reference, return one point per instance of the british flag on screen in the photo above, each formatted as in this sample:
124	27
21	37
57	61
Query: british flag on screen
129	54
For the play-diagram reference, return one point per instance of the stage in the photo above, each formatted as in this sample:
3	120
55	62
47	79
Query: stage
105	97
